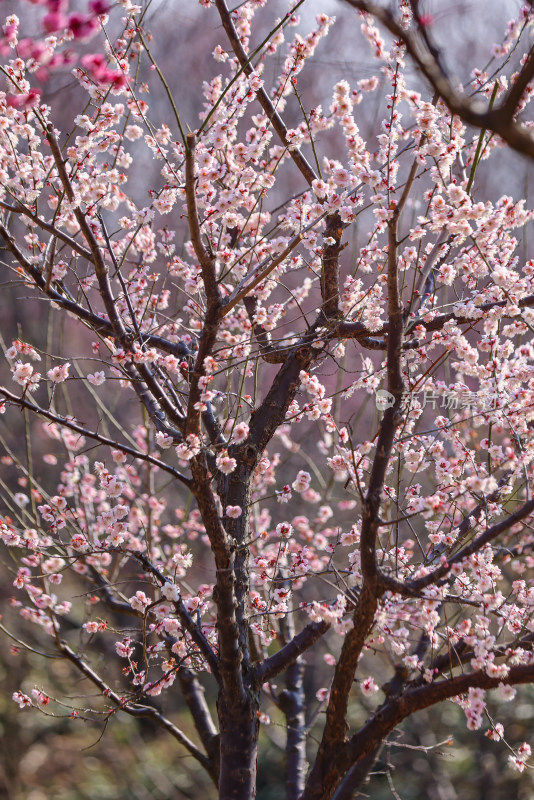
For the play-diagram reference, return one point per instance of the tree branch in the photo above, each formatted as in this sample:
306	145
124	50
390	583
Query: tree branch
263	98
136	710
473	112
476	544
392	712
74	426
100	326
49	228
258	274
101	270
193	694
224	595
184	616
207	262
330	265
288	654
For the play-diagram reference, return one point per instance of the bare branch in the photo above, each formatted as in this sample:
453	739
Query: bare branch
288	654
97	437
134	709
330	265
193	694
49	228
207	263
336	712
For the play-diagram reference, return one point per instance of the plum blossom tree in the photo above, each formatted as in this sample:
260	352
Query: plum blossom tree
230	502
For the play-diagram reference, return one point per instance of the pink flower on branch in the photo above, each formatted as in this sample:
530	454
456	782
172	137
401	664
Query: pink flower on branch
98	69
24	100
225	463
21	699
368	686
97	378
59	374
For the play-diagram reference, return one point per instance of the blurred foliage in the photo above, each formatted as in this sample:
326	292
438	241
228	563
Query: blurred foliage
44	756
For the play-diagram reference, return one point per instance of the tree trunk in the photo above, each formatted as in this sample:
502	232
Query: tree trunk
239	726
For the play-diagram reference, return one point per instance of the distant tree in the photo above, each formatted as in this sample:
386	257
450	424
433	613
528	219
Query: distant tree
269	446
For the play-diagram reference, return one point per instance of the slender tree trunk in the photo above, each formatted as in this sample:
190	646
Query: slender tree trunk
239	726
292	702
238	710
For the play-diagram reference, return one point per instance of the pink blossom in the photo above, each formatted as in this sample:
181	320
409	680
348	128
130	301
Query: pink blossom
496	733
24	101
219	54
54	21
41	698
163	440
425	20
233	511
524	751
368	686
507	692
82	26
22	699
97	378
225	463
99	7
171	592
190	448
18	346
24	375
60	373
133	132
285	495
79	543
516	763
53	5
284	529
240	433
302	481
96	65
124	648
91	627
139	601
10	30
